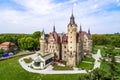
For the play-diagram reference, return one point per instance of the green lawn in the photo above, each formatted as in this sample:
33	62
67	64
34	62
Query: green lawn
96	47
87	63
11	70
86	66
62	68
105	66
89	59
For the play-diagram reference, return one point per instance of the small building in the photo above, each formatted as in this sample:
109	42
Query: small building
42	61
8	46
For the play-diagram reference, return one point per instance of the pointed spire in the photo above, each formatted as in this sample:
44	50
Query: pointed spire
43	31
89	31
54	28
80	28
72	21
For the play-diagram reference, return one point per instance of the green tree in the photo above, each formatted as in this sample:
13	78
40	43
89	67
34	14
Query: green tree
26	43
36	34
1	51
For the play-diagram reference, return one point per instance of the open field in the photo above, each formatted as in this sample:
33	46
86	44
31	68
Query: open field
11	70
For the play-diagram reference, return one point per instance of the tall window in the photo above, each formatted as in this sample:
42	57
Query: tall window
64	46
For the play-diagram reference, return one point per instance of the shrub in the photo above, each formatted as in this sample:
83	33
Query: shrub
28	60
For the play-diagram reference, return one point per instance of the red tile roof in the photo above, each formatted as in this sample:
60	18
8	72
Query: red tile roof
56	37
6	44
64	38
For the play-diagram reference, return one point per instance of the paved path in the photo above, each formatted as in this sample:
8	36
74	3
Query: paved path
97	59
49	70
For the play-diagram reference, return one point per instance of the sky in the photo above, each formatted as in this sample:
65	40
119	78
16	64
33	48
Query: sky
28	16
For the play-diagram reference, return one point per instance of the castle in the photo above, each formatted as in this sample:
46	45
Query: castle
70	47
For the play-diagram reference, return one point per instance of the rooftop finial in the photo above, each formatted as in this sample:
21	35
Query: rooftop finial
43	31
89	31
54	28
72	18
80	28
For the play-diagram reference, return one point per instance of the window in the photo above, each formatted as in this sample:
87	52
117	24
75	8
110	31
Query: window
70	41
64	46
71	53
71	47
64	56
65	52
71	37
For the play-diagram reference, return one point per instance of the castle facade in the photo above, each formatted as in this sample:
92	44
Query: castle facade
70	47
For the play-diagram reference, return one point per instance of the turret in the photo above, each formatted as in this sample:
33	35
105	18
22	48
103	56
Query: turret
72	32
42	42
72	21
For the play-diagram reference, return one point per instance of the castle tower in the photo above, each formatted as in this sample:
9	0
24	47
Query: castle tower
72	32
42	43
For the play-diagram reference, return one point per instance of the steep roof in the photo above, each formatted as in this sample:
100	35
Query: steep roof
64	38
6	44
82	33
55	36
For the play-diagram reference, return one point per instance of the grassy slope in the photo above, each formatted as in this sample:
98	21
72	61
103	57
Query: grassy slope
11	70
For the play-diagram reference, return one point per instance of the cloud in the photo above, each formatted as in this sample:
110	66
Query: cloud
39	14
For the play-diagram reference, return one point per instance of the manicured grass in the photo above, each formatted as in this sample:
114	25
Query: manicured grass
62	68
89	59
10	69
95	48
87	63
104	65
28	60
101	47
86	66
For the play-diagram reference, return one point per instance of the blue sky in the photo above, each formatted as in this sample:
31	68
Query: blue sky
28	16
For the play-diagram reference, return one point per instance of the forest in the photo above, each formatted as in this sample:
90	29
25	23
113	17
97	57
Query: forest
31	41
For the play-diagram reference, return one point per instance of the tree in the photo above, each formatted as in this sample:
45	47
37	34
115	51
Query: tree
1	51
26	43
36	34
